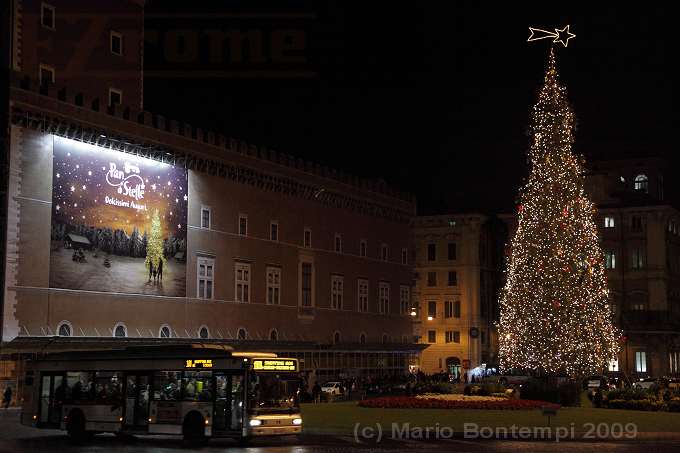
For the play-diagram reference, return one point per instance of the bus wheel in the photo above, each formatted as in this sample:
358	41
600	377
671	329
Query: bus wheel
193	429
75	427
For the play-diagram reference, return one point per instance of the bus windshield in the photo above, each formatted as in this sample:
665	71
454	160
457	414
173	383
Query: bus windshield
275	392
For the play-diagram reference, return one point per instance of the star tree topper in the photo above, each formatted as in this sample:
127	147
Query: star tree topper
562	36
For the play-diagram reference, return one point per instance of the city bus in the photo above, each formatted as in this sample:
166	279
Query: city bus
197	391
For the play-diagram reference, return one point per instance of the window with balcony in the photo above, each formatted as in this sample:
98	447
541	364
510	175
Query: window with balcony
384	297
273	285
362	295
242	282
404	300
205	277
432	309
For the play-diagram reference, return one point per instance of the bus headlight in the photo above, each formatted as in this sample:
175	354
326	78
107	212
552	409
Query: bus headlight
297	421
255	422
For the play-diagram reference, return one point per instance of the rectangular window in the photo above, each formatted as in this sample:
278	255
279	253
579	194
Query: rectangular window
431	336
338	243
115	96
47	16
242	274
432	309
431	279
609	260
431	252
453	278
609	222
363	246
307	241
636	223
448	309
384	298
307	270
384	252
274	230
404	300
637	258
243	225
205	217
674	362
116	43
205	277
449	336
273	285
641	361
456	336
362	296
337	290
456	309
46	74
404	256
451	251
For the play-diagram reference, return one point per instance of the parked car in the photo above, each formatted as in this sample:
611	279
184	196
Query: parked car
332	387
646	383
513	378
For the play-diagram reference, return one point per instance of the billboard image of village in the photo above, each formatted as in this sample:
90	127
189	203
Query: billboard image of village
118	222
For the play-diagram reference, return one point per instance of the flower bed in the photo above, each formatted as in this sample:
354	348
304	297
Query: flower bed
488	403
460	397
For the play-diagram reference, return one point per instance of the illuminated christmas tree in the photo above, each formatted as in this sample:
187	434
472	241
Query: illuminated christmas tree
154	247
555	314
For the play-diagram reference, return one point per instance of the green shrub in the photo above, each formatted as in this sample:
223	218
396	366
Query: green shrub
627	394
673	405
439	387
566	394
636	405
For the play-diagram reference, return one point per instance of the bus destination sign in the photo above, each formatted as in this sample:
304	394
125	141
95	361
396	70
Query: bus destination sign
274	365
198	363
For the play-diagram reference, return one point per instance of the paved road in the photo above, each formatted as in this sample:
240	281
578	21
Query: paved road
17	438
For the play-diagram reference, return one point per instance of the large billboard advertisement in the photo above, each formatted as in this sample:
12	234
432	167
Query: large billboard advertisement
118	222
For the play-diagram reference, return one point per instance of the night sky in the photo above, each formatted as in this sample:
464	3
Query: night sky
433	97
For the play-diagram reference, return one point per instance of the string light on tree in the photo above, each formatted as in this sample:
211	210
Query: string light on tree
555	314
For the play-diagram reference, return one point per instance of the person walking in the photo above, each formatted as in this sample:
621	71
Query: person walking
160	269
7	397
150	269
316	392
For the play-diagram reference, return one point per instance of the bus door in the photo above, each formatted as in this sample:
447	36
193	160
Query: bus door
52	395
228	407
137	389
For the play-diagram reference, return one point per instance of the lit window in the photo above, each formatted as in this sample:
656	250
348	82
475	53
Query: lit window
637	258
610	260
164	332
307	277
642	183
273	285
336	337
451	251
241	334
609	222
338	243
242	274
120	330
404	300
362	286
431	336
47	16
205	217
384	298
243	224
115	96
638	306
452	278
274	230
46	74
308	238
431	279
674	359
431	252
205	277
203	333
337	290
363	246
116	43
404	256
273	335
64	329
641	361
